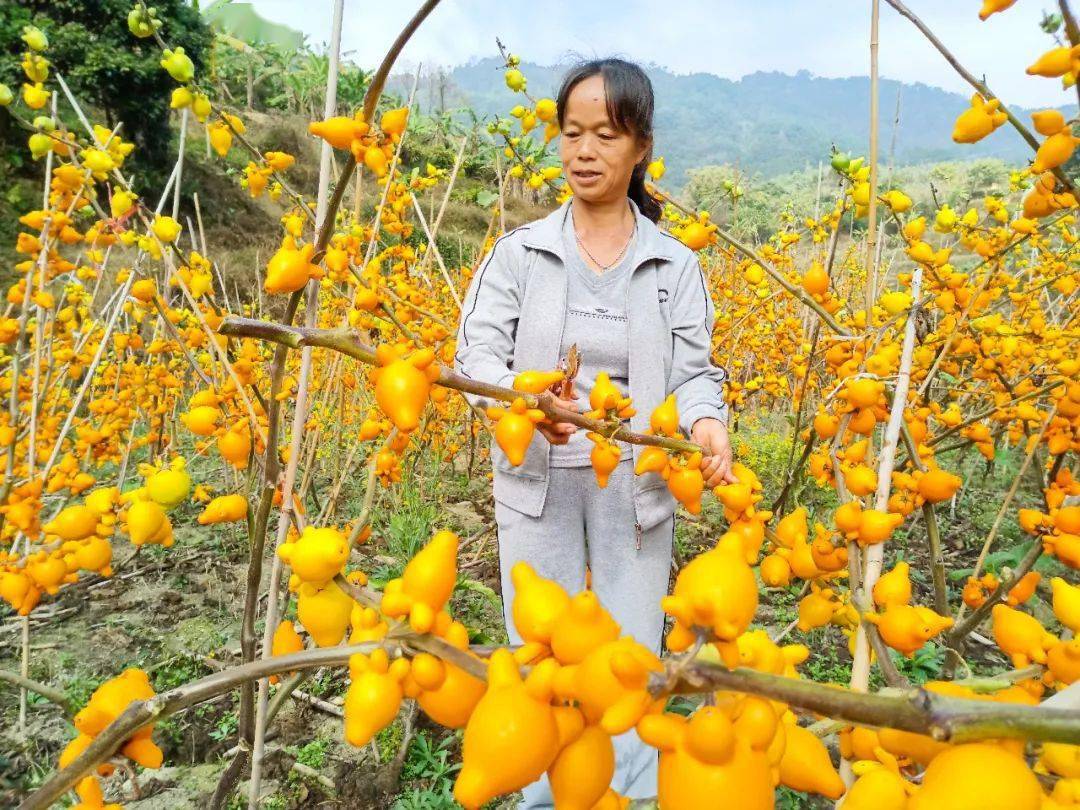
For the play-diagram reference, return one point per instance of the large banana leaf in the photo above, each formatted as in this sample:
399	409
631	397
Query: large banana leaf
240	20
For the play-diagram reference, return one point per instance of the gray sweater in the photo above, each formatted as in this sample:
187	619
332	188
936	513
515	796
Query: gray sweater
513	319
596	321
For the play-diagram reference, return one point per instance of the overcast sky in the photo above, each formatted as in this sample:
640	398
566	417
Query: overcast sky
729	38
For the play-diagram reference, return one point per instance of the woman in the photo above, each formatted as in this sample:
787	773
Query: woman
599	274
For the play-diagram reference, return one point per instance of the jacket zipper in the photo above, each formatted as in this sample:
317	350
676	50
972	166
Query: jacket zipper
562	328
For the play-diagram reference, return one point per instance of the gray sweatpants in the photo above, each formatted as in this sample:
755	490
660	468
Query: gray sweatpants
580	524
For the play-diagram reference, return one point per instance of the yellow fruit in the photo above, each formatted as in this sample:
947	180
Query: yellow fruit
224	509
1054	151
375	159
775	571
816	609
898	201
977	776
515	79
604	457
938	485
178	65
1048	122
94	554
374	695
73	523
393	122
537	603
546	109
1066	602
1020	636
201	420
402	385
664	419
906	628
581	628
317	556
339	132
221	138
286	641
324	612
716	590
235	445
290	268
582	771
537	382
702	760
979	120
877	789
876	526
894	587
1055	62
1063	661
512	716
170	488
422	591
514	428
166	229
806	767
148	523
452	703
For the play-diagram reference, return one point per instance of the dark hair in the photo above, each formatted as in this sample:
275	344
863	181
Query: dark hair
629	96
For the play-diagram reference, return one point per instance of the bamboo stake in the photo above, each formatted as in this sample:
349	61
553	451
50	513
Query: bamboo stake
871	234
874	557
180	163
433	248
299	417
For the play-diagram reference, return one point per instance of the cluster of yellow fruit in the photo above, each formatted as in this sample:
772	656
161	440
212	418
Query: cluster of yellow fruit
371	148
36	68
697	233
77	538
587	683
106	704
81	543
1059	529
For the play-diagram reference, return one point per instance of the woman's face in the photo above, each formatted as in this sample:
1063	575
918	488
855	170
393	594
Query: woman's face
597	159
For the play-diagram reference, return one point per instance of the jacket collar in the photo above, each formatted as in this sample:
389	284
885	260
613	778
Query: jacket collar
546	234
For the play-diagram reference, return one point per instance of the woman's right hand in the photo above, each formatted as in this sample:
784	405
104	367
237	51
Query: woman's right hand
560	432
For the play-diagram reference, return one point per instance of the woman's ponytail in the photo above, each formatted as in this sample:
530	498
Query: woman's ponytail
649	205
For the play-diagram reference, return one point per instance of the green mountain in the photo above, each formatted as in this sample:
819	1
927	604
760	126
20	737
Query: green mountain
765	123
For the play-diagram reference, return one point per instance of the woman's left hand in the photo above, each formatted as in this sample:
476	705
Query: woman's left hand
712	435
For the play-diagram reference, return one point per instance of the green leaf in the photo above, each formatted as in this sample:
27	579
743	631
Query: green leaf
476	586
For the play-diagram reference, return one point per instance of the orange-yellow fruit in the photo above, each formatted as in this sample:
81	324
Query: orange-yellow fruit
978	776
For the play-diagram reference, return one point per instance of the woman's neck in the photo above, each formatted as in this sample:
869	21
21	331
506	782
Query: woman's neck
602	220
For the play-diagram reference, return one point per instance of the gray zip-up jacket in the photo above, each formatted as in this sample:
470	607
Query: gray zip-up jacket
512	320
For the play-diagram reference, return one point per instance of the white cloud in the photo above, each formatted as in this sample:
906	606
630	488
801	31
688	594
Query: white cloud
730	38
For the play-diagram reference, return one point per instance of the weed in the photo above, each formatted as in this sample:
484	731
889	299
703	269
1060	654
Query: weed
427	761
435	765
313	754
925	665
480	609
389	740
225	727
828	664
78	689
176	672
